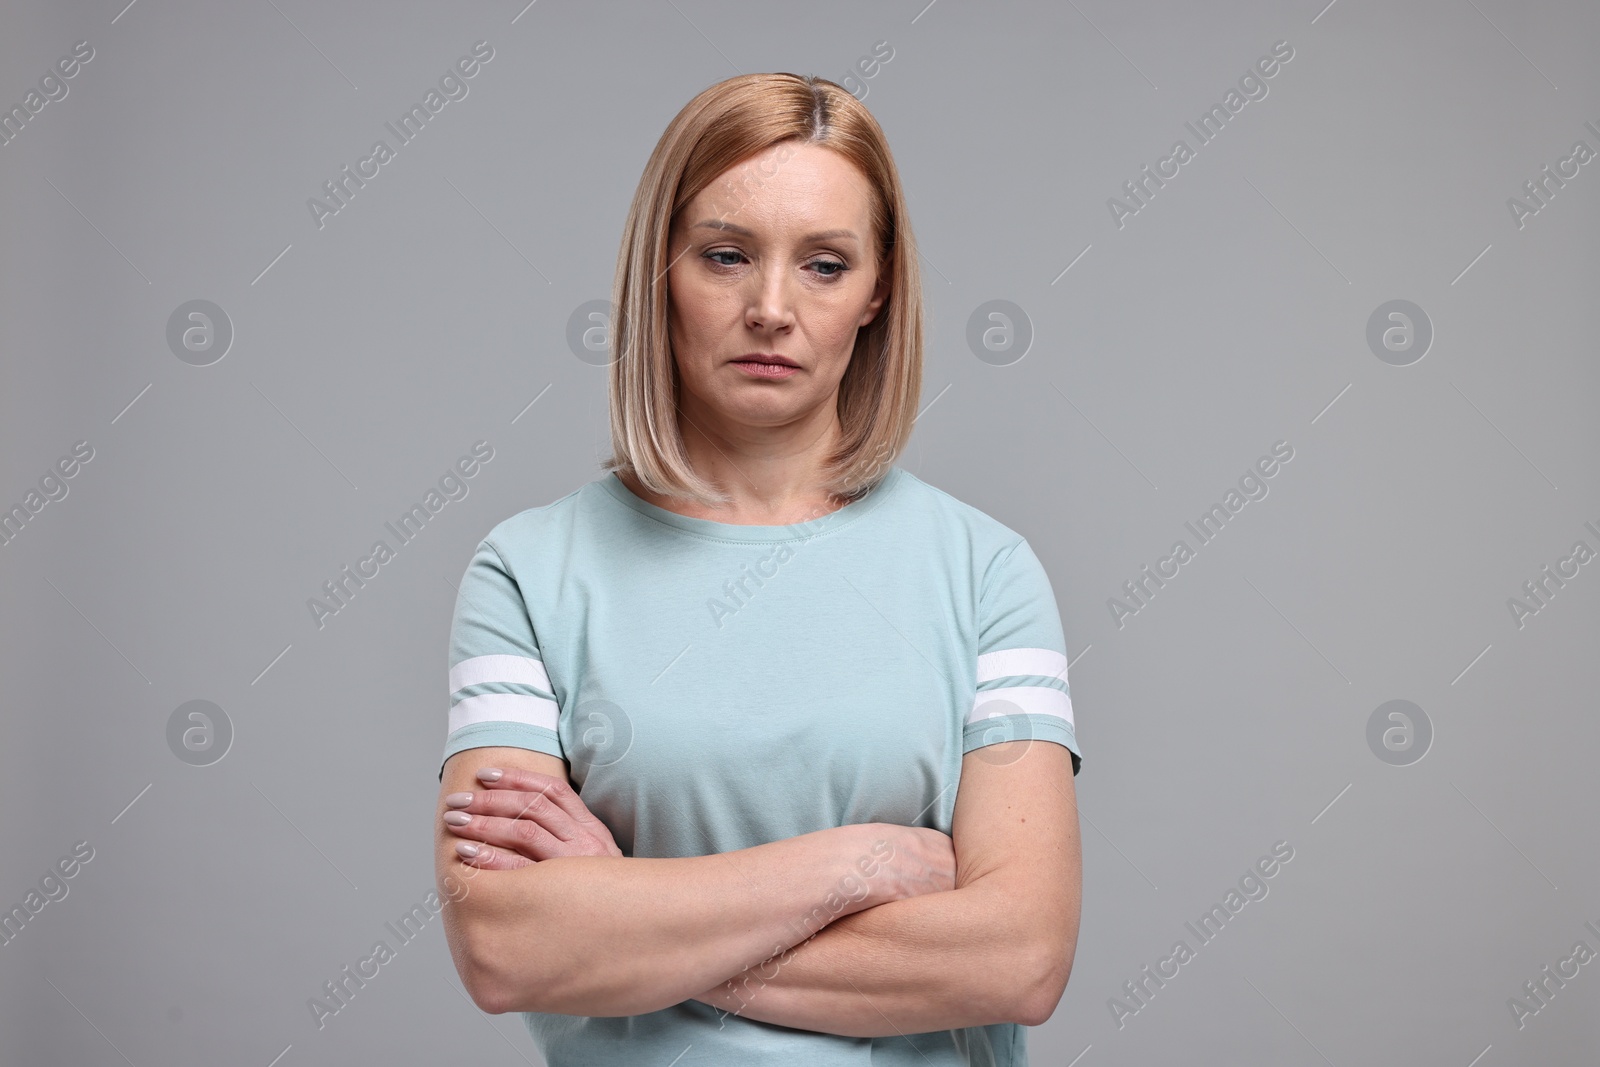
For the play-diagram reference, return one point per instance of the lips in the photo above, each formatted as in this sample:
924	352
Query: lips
771	360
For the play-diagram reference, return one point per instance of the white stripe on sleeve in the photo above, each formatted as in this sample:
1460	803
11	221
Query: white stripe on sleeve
480	669
1021	661
504	707
1031	699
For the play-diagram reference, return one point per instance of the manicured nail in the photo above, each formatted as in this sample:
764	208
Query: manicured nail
490	774
458	800
457	818
466	849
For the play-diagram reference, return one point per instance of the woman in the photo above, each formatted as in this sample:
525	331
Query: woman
710	711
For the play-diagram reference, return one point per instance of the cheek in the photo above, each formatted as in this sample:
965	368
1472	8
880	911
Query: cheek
836	330
704	331
698	309
685	315
701	327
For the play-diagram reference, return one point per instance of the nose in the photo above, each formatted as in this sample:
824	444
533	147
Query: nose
772	302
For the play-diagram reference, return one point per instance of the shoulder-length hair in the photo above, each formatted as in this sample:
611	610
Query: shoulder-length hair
725	124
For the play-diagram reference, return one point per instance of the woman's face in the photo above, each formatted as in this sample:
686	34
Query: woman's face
776	257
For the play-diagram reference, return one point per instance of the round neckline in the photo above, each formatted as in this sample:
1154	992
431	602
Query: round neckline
732	531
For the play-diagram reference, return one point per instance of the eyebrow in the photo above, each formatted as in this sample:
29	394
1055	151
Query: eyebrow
823	235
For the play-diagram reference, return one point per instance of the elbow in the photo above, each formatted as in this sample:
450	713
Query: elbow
484	993
1051	967
476	971
494	991
492	1000
1037	1008
495	987
484	973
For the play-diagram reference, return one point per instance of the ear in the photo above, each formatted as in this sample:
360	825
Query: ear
880	293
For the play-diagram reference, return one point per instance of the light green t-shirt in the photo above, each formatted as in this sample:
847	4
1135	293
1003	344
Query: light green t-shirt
715	686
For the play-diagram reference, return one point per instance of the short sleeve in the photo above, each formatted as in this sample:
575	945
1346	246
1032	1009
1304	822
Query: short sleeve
1021	687
500	694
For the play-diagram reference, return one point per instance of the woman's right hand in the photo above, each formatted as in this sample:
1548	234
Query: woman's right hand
924	860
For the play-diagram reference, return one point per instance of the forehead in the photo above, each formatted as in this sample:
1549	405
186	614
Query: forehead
788	186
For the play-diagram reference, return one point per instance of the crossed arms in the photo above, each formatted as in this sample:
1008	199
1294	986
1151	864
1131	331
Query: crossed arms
868	930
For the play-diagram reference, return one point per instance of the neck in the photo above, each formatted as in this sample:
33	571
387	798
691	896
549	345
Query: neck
770	480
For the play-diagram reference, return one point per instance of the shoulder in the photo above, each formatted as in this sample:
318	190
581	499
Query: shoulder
542	528
954	518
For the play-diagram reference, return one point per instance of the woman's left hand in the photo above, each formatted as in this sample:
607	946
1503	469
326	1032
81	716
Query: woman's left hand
525	818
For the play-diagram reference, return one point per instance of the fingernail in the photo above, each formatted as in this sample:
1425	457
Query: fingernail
466	849
457	818
458	800
489	774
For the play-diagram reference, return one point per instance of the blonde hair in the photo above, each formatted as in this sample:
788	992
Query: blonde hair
725	124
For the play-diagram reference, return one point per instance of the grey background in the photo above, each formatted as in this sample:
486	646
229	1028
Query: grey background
1229	313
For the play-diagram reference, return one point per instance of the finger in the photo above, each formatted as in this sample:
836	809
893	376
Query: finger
546	800
533	805
536	827
516	805
489	858
526	836
551	790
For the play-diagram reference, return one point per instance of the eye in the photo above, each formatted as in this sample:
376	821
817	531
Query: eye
826	268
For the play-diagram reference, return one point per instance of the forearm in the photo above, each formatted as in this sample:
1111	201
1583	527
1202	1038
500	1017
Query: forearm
940	961
605	936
